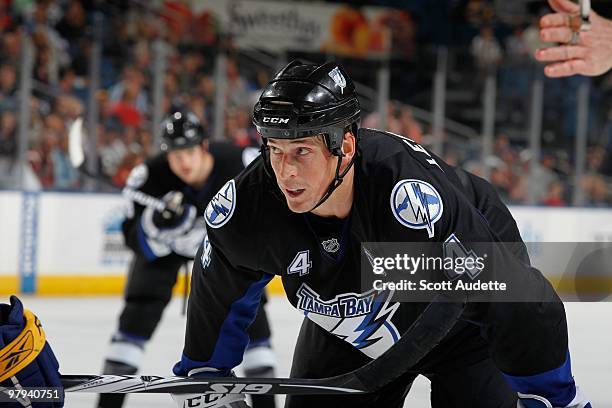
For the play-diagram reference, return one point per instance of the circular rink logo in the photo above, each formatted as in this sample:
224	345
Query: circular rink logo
416	204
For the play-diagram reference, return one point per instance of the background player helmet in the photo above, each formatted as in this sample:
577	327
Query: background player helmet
181	130
308	100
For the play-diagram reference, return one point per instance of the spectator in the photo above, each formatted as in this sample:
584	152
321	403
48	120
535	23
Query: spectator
133	81
11	48
409	126
65	176
42	159
125	109
237	93
596	190
8	130
72	25
554	195
8	85
111	147
486	49
129	161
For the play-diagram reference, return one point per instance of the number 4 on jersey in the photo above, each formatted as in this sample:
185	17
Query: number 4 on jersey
301	263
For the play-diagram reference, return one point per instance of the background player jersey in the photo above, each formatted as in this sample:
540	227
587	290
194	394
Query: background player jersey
155	178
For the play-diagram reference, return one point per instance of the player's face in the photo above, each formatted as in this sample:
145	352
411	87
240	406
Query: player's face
304	169
187	163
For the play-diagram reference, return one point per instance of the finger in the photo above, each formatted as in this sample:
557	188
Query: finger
554	20
563	69
562	53
564	6
556	34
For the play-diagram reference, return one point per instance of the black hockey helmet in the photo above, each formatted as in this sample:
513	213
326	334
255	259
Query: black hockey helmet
308	100
181	130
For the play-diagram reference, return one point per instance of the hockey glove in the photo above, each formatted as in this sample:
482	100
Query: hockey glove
209	400
187	245
175	220
26	359
172	215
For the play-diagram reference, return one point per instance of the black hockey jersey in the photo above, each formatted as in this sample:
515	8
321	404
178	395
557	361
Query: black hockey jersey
154	178
402	193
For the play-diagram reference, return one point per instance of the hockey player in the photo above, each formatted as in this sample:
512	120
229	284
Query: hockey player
301	210
187	173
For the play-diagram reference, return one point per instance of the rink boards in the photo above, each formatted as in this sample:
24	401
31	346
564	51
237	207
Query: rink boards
71	243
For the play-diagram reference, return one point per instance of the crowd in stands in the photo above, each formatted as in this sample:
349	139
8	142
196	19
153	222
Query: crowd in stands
61	33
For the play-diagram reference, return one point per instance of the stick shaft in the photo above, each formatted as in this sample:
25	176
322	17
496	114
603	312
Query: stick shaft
226	385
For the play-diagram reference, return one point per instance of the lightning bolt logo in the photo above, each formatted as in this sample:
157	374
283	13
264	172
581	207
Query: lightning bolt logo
380	315
372	328
422	199
221	207
361	319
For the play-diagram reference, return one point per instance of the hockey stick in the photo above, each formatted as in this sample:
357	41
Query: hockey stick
424	334
76	134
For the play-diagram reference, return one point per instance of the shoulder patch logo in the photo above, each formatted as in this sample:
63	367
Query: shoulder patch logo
221	207
416	204
138	176
248	155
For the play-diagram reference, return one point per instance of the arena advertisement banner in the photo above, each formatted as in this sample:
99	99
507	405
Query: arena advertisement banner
81	234
318	27
545	224
10	224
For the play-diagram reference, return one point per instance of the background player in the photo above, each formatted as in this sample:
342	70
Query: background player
186	174
322	180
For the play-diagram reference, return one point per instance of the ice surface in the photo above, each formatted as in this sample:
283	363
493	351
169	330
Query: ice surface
78	329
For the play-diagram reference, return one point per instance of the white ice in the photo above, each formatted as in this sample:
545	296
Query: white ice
78	329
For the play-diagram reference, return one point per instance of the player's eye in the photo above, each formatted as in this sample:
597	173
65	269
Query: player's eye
274	150
302	151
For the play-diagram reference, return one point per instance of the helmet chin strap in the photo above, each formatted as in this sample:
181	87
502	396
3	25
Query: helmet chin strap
335	183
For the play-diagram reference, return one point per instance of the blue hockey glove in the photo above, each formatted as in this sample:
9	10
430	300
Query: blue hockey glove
26	359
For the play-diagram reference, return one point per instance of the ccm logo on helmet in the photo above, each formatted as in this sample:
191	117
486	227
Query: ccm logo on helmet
275	120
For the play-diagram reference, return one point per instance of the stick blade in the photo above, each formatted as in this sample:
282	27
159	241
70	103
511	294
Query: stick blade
75	143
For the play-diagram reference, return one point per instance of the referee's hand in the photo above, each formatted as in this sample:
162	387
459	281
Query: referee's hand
586	52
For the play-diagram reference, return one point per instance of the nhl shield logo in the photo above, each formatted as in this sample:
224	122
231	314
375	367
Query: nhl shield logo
221	208
416	204
331	245
338	78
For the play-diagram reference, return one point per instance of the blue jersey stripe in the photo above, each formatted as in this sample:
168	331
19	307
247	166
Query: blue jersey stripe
556	385
233	338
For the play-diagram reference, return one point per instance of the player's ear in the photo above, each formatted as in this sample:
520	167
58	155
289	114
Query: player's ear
349	145
205	145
